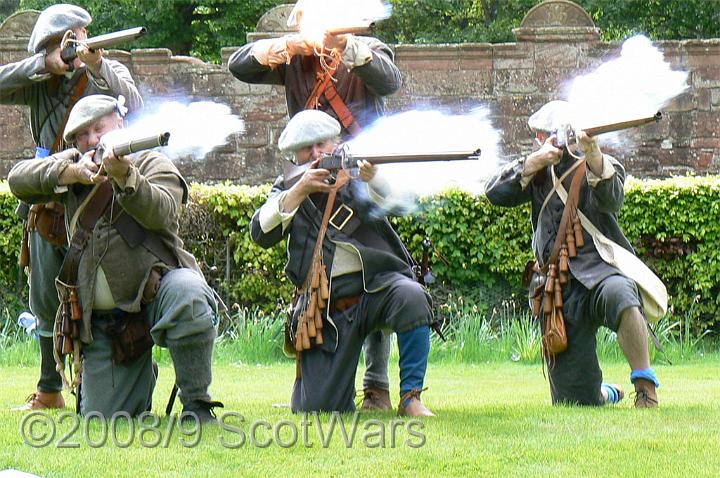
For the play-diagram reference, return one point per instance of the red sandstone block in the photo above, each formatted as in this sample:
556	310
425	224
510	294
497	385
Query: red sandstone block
705	143
705	77
256	134
552	80
563	55
706	124
519	105
148	69
679	125
688	101
475	62
429	64
704	159
703	55
513	82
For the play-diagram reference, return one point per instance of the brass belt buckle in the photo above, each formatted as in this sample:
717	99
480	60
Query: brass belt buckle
350	213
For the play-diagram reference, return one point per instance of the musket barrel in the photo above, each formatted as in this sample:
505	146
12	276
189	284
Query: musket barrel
341	159
115	38
609	128
133	146
355	30
417	158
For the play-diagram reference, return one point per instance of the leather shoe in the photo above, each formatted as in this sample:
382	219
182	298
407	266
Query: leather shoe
376	399
42	400
200	411
645	395
414	406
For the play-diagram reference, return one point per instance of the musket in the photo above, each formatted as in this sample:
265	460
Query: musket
566	135
69	42
342	159
128	147
355	30
135	145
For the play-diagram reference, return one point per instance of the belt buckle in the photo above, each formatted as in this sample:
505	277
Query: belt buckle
345	221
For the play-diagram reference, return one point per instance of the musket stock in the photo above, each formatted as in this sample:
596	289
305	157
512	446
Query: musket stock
567	135
609	128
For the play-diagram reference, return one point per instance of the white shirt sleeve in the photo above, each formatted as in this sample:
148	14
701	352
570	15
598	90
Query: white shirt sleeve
379	189
357	53
607	172
272	215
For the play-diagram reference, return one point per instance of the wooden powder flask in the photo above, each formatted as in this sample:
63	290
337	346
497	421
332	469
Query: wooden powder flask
570	241
71	317
76	311
66	347
550	282
577	229
558	302
563	265
549	288
310	324
537	305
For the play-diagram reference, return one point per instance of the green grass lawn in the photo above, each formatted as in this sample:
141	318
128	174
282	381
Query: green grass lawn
493	419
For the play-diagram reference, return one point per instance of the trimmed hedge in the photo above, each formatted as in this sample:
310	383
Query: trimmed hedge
10	236
674	225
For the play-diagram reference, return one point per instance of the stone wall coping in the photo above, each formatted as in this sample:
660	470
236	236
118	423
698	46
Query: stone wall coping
19	24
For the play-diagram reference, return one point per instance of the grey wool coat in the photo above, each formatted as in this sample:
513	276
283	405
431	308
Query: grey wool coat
601	204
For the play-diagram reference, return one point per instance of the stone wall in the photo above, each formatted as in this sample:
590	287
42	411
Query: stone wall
557	40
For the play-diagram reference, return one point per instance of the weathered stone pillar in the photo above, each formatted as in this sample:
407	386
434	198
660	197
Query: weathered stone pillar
15	139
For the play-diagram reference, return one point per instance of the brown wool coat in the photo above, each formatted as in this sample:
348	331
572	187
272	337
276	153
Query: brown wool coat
153	194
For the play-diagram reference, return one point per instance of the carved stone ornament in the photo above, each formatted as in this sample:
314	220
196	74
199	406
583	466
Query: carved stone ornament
557	21
19	25
273	23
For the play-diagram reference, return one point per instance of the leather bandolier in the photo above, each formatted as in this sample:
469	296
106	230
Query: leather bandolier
548	294
69	317
49	219
324	85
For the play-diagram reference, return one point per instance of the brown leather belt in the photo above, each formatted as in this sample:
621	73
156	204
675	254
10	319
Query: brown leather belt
344	303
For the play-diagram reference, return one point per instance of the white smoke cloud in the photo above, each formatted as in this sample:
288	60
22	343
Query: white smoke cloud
637	84
195	128
431	131
317	16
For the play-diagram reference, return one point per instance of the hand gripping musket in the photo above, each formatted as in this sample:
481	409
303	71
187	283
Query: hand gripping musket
69	42
128	147
69	316
315	292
